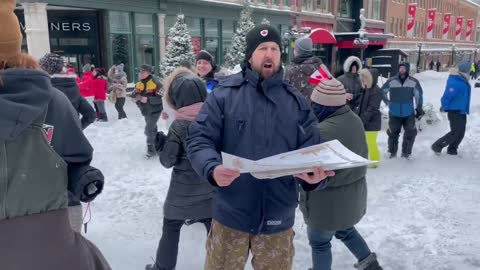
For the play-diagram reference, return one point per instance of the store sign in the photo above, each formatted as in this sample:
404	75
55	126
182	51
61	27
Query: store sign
468	34
70	26
458	29
412	14
431	22
446	25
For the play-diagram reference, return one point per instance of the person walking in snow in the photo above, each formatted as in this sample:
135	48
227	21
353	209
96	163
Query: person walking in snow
456	102
84	81
351	81
148	98
369	111
189	197
118	88
405	105
303	66
53	65
335	210
253	114
473	72
99	88
34	219
431	64
439	65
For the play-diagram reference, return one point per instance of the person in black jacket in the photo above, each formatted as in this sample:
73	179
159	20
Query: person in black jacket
369	110
189	198
53	65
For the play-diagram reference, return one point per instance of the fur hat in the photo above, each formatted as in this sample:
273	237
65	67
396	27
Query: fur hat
260	34
52	63
329	92
146	68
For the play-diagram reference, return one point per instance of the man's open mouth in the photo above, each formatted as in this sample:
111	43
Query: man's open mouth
268	66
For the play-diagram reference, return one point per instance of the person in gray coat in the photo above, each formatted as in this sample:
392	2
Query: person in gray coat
189	198
335	210
351	80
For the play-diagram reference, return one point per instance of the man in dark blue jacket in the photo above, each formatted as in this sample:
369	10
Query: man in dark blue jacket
405	104
253	114
455	101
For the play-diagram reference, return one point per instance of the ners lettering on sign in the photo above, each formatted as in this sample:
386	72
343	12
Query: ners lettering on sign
70	27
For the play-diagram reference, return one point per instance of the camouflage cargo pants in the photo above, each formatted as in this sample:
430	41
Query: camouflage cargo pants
228	249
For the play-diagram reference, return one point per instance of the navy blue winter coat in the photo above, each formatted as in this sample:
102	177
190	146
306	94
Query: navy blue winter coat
457	94
253	119
403	95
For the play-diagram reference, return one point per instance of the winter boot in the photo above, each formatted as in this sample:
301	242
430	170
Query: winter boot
437	150
369	263
392	155
406	156
452	152
156	267
150	151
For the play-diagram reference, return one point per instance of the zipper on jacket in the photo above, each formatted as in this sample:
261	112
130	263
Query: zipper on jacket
3	179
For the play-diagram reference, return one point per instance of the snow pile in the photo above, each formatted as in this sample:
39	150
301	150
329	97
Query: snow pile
422	213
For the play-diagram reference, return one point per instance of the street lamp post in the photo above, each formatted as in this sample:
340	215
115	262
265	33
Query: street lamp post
362	42
419	45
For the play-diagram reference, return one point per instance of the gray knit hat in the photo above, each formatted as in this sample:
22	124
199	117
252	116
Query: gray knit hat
304	46
52	63
87	68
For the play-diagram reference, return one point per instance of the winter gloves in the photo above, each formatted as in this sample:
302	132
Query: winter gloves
86	184
160	141
419	112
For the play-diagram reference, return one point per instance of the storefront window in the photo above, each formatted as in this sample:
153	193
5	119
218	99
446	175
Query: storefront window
144	39
307	5
345	9
121	39
227	36
211	37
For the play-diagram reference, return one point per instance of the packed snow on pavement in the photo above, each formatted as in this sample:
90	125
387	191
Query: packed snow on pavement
422	213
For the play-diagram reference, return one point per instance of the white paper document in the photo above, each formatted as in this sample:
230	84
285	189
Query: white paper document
331	155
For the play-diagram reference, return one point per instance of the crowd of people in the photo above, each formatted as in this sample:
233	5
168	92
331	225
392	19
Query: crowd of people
259	112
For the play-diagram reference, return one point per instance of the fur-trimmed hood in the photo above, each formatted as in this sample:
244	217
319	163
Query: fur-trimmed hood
167	83
348	63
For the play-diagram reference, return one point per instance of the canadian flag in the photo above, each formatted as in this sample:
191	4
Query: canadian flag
319	75
48	132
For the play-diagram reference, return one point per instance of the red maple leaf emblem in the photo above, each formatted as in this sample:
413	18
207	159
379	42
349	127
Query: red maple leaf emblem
264	33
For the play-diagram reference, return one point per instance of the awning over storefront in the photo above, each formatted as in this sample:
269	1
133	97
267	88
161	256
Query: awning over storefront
322	36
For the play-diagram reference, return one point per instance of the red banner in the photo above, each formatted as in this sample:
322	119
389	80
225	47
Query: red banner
431	22
412	14
458	29
446	25
468	34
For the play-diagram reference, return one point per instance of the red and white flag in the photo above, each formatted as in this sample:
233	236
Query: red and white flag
412	15
468	34
458	29
431	22
446	25
319	75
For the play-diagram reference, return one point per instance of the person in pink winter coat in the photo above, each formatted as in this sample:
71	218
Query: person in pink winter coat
99	86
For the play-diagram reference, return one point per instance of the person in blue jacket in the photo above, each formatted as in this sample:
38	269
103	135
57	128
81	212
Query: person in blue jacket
456	102
405	105
253	114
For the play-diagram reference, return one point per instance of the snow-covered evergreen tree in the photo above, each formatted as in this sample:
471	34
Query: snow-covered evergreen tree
236	52
265	21
179	48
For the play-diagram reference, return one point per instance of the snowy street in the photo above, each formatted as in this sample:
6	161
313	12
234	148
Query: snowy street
423	214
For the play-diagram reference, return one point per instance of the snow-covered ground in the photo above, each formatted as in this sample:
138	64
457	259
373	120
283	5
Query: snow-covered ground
422	214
